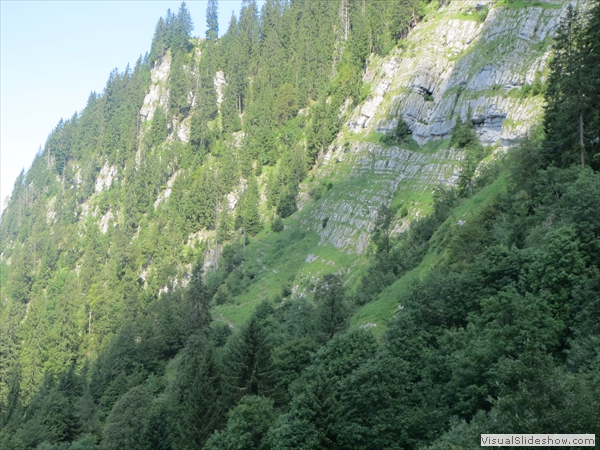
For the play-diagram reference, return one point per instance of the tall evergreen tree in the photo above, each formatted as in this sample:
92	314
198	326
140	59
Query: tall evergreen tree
249	360
182	29
571	120
212	20
331	306
159	42
250	214
200	395
179	86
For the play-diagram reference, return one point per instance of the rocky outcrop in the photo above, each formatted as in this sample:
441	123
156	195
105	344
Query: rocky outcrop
159	92
105	177
167	192
345	217
220	84
461	69
451	68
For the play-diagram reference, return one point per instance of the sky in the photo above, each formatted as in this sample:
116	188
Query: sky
53	54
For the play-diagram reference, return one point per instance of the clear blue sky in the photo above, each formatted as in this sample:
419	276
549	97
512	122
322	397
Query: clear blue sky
53	54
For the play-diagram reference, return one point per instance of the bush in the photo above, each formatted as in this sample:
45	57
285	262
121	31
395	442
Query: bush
287	204
277	225
398	135
463	134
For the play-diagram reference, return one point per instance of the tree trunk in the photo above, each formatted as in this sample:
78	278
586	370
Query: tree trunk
581	140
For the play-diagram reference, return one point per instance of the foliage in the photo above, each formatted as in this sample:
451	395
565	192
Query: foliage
107	335
331	306
247	426
277	224
398	135
212	20
571	121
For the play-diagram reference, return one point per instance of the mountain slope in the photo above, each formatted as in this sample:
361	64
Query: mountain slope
309	230
475	70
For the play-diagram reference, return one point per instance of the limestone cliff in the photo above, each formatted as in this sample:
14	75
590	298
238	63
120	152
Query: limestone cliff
453	65
458	64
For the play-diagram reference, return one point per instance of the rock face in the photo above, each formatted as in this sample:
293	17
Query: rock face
461	69
451	68
105	177
346	216
167	192
220	84
159	92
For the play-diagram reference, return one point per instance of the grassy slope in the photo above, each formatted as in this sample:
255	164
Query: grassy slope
380	311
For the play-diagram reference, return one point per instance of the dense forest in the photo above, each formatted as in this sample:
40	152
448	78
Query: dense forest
502	335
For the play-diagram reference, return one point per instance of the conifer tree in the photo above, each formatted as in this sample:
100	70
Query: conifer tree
250	214
200	395
249	359
127	420
571	119
198	301
159	42
229	111
182	29
212	20
179	86
158	128
331	305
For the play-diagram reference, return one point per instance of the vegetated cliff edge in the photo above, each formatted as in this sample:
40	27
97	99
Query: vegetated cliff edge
452	68
468	61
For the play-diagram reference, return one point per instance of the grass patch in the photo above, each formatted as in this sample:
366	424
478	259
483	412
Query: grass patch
520	4
435	146
382	310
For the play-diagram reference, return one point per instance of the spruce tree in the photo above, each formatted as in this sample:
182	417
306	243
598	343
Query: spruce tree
249	361
568	107
331	306
199	394
179	86
212	20
198	298
159	42
250	214
182	29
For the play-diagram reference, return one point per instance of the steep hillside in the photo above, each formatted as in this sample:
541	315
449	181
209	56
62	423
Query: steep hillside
464	62
339	225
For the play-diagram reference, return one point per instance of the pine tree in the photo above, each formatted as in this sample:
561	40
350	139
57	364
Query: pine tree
179	86
229	111
182	29
568	107
127	420
158	128
250	214
198	300
286	104
212	20
200	395
159	42
331	306
591	81
249	359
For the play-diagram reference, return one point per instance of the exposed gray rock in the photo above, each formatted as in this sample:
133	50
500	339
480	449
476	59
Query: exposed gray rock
463	66
105	177
382	171
219	82
158	94
167	192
